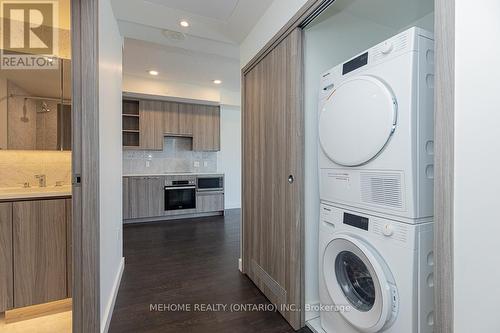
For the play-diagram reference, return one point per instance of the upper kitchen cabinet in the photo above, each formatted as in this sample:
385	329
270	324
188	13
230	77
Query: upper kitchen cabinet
147	122
206	128
170	118
186	112
150	125
35	108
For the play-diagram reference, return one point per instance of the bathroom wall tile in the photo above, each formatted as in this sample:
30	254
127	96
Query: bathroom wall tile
18	167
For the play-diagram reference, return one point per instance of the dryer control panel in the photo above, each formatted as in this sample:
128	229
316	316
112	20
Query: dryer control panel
403	42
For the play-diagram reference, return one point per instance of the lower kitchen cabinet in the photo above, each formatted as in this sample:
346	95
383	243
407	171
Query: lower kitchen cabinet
209	202
39	251
143	197
6	274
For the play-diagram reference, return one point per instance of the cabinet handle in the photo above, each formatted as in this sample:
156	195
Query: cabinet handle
291	179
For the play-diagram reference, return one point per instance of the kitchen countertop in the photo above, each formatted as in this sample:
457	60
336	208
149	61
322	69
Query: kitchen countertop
175	174
21	193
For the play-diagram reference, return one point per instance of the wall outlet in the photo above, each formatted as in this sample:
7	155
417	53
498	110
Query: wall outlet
196	164
148	164
205	163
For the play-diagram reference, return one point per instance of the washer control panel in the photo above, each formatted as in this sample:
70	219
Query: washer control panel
387	229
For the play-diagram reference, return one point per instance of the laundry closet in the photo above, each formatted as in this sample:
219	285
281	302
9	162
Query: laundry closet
351	40
337	43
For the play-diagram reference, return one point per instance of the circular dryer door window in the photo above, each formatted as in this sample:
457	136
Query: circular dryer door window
357	121
355	278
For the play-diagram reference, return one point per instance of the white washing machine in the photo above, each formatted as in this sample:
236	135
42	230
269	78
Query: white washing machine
376	274
376	129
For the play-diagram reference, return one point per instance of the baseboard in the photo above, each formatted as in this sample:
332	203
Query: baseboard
106	320
172	217
39	310
315	325
312	311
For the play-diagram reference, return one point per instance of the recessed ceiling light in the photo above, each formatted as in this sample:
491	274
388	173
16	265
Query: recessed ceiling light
184	23
153	72
217	81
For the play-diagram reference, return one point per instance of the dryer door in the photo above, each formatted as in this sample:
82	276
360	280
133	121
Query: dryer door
356	277
357	121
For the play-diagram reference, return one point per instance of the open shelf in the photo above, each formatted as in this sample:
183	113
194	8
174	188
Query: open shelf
130	123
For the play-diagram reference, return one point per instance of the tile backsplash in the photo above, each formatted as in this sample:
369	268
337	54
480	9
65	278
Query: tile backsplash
20	166
177	156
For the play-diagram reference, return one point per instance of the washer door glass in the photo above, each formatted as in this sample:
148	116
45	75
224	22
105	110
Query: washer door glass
357	121
355	280
356	276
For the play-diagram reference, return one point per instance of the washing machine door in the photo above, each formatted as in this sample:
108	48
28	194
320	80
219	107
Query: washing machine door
357	277
357	120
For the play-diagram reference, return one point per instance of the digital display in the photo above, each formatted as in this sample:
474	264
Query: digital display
356	221
355	63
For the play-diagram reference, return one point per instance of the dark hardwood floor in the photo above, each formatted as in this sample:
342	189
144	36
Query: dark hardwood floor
188	262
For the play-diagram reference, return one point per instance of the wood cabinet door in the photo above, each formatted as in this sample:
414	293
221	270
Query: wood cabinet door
206	128
151	125
145	197
171	118
39	245
209	202
272	207
186	119
6	273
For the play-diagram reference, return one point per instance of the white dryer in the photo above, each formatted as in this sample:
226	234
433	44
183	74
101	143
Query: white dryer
376	124
376	275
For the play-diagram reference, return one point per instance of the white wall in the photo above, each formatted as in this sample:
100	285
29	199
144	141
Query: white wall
273	19
229	157
110	158
477	160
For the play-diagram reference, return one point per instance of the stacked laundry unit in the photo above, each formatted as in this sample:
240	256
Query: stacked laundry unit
376	188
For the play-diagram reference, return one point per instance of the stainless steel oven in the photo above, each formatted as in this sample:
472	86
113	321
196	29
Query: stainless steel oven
180	194
210	183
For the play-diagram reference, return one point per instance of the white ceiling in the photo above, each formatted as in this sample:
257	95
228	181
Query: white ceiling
208	49
217	9
179	65
223	21
401	11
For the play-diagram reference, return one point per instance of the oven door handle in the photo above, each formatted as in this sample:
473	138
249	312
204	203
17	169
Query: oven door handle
168	188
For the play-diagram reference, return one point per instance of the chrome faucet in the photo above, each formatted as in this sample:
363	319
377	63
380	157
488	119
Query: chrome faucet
42	182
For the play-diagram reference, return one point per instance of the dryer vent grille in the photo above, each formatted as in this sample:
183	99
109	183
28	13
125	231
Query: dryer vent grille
383	189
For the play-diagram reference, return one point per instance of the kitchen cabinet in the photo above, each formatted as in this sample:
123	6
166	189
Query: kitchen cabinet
186	112
170	118
143	197
206	128
6	273
151	125
39	251
209	201
147	122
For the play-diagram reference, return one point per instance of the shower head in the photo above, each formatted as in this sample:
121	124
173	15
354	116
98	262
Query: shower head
44	108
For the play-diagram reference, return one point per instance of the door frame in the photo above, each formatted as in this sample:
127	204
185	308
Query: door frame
85	166
444	143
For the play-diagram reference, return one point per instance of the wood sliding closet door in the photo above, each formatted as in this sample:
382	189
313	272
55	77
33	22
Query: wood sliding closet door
273	154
